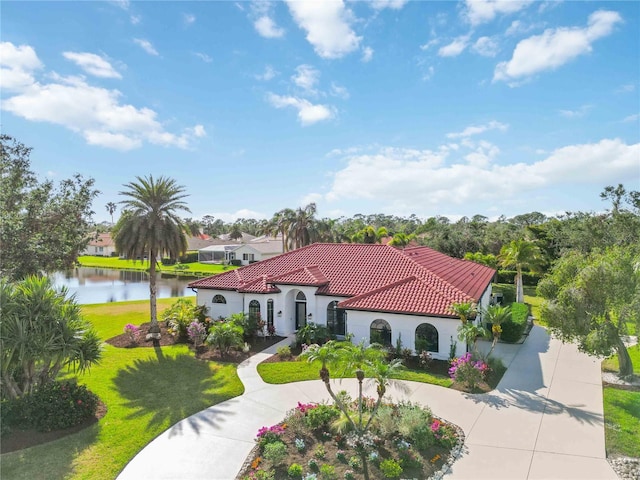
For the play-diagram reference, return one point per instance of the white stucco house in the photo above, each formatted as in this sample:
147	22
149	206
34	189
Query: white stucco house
246	253
370	291
101	245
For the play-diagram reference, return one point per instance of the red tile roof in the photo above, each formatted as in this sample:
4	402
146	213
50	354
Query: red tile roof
377	277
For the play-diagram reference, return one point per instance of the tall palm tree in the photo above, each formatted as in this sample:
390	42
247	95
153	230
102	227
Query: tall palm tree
111	208
302	229
151	227
520	254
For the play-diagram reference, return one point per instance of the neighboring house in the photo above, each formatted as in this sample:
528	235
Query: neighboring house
101	245
258	249
370	291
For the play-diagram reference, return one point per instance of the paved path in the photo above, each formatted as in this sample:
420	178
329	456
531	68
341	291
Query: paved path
544	421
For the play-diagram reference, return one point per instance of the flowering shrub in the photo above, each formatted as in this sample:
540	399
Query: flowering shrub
425	359
197	332
300	445
349	475
305	407
444	434
132	332
267	435
468	372
340	455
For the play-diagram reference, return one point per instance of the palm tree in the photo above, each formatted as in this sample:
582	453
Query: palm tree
496	315
151	227
464	310
302	229
521	254
111	207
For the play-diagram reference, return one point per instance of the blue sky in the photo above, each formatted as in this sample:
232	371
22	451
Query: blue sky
389	106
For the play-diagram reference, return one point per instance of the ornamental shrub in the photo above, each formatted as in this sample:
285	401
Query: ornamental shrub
284	352
197	332
328	472
295	471
267	435
390	468
321	417
133	332
513	329
414	424
275	452
54	406
467	371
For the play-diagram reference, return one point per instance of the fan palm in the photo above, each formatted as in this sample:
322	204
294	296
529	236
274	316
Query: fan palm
150	226
302	228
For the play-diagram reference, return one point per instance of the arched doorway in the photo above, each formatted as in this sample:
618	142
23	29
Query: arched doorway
301	310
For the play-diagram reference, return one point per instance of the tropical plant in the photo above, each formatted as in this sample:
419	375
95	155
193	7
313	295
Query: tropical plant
464	310
150	227
41	331
520	254
467	371
470	332
496	315
179	316
302	227
224	336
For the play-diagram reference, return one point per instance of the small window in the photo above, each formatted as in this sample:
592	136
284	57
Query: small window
380	332
300	297
269	313
248	256
219	299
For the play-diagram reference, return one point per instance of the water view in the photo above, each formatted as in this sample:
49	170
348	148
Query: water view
101	285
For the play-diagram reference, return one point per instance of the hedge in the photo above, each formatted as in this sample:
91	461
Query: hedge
513	329
189	257
508	276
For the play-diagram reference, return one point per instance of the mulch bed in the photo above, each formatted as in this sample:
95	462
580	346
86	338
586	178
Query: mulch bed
20	439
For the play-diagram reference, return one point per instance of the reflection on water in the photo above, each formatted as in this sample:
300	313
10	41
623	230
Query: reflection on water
101	285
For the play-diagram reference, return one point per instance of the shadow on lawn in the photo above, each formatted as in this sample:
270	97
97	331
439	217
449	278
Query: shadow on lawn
172	388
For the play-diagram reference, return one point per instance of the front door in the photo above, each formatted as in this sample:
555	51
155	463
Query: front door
301	314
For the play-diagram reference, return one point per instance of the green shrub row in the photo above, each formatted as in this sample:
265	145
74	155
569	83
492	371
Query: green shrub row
513	329
508	276
189	257
54	406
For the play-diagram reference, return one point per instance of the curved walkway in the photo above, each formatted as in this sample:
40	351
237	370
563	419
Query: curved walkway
543	421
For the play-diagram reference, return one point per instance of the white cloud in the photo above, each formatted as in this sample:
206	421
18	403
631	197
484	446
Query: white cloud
477	129
629	87
96	113
429	44
306	78
17	66
580	112
188	19
92	64
203	56
135	19
555	47
146	46
486	46
428	75
392	4
367	54
267	28
455	48
328	26
268	74
308	113
339	91
518	27
405	178
483	11
631	118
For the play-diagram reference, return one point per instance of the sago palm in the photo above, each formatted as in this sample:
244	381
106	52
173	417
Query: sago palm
150	226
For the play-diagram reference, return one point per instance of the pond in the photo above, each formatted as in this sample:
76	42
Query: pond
103	285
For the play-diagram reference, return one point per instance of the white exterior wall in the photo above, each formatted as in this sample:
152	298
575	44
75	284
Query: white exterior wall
95	250
359	323
216	310
247	249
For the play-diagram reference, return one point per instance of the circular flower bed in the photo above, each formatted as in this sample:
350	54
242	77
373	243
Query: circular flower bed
316	441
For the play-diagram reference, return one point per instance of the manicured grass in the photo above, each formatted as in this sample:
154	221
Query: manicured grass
287	372
146	390
194	269
622	422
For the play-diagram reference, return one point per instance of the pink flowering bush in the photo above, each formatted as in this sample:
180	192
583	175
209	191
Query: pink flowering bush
467	371
197	332
132	332
267	435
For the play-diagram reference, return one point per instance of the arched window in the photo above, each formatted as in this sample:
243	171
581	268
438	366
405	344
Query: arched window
380	332
300	297
336	319
426	338
219	299
254	310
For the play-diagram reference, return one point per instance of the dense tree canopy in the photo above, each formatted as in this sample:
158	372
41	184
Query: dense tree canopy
43	227
594	299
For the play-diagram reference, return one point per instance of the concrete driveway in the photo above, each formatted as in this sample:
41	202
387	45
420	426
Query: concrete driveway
544	421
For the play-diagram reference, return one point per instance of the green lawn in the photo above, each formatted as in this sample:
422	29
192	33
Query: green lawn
622	411
194	269
146	391
286	372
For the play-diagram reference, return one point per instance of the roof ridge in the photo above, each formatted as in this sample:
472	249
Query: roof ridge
388	286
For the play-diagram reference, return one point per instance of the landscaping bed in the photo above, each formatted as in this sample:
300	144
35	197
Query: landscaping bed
404	441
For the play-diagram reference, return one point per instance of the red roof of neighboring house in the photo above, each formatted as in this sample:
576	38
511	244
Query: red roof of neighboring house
102	240
377	277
